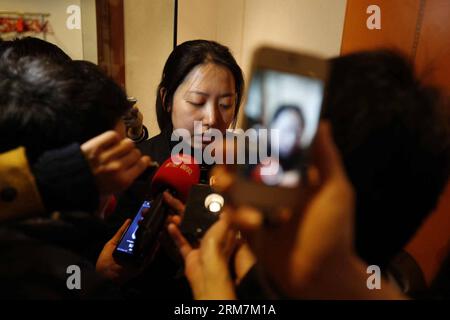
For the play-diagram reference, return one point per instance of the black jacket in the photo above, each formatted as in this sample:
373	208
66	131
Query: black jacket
36	253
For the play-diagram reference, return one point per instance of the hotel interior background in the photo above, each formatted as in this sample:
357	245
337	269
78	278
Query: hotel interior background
132	38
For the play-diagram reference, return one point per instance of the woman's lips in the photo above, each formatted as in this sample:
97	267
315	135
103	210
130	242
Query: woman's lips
206	142
204	138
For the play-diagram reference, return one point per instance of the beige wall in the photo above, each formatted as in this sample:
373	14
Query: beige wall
68	40
148	43
197	19
219	20
315	26
89	30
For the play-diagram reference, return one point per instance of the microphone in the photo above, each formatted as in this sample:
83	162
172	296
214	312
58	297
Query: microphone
176	175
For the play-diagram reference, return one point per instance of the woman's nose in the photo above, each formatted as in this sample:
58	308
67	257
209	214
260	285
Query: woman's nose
211	116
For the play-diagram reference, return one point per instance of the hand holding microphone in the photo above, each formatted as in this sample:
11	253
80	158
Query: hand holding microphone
176	177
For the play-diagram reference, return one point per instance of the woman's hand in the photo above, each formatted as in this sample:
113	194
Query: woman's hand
177	208
115	163
133	121
306	242
206	267
310	253
244	259
108	266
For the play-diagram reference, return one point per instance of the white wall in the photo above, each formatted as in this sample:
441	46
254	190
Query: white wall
148	43
68	40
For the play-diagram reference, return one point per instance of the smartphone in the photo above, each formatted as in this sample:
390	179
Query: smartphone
281	117
125	250
200	213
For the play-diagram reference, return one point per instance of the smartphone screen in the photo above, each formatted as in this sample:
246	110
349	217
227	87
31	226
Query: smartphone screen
283	110
126	244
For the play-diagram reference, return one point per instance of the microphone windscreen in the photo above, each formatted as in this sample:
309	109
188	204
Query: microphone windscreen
179	173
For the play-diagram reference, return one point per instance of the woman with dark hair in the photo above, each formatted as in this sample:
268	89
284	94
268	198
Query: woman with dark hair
201	82
288	123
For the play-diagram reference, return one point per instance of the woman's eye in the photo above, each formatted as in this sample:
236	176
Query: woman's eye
224	106
195	103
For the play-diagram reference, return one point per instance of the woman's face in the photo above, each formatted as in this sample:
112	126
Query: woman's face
207	95
289	129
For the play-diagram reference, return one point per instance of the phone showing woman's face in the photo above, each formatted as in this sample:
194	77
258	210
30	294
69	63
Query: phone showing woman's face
290	126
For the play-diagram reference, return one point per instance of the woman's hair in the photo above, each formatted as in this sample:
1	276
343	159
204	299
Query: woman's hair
181	61
290	107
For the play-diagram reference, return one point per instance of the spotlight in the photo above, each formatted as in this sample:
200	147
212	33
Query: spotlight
214	202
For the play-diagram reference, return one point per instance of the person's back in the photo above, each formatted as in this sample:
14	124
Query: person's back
40	266
394	137
44	105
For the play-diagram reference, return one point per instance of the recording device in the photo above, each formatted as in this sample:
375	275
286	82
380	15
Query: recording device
176	175
131	101
202	210
281	117
124	251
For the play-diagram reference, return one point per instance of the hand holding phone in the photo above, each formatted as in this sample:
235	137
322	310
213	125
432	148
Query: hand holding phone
282	115
125	250
200	214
